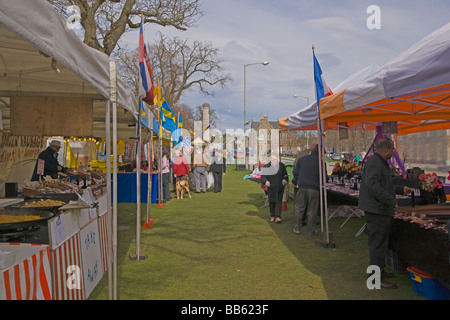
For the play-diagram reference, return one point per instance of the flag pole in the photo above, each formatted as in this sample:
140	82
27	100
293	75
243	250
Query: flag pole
322	172
160	205
138	177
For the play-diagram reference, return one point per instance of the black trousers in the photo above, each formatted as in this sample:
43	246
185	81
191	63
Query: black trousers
217	181
377	228
275	209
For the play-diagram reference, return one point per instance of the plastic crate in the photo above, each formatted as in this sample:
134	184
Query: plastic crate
426	285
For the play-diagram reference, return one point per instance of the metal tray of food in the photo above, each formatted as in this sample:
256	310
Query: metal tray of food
19	218
46	205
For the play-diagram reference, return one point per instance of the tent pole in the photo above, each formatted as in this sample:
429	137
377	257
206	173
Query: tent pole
108	193
113	97
324	183
319	133
149	172
138	187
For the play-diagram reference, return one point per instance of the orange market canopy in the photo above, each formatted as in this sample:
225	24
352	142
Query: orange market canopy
412	89
306	118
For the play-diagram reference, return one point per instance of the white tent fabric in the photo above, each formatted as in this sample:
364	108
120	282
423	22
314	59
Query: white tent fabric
420	76
32	32
307	117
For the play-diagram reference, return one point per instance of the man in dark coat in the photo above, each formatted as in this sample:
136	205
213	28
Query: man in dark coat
377	200
218	169
50	162
307	199
274	176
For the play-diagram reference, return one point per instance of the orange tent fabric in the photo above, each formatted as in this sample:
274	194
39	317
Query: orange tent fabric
412	89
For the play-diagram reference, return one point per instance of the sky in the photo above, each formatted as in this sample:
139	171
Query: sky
282	33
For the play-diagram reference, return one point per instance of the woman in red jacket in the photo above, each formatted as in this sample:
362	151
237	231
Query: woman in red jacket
180	168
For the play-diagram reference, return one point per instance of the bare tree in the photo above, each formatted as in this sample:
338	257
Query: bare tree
105	21
181	67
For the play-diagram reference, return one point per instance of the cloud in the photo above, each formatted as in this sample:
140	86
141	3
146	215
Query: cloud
283	32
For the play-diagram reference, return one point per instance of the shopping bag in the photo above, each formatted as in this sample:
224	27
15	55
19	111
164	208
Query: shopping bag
210	182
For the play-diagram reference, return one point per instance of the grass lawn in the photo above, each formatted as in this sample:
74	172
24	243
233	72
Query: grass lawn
221	246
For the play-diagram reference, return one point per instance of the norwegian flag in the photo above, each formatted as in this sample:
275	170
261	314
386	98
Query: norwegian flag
146	86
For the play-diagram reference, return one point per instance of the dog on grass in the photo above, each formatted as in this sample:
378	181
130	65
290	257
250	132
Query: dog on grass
180	187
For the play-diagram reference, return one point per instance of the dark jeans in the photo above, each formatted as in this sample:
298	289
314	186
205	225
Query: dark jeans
377	228
166	186
275	209
217	181
306	201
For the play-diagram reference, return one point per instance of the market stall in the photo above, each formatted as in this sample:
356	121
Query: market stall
411	92
49	77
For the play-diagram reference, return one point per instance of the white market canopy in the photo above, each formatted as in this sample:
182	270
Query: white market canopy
306	118
412	89
34	41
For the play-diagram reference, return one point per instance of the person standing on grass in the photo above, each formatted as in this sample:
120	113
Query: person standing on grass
165	172
274	176
377	200
218	169
180	167
307	199
199	170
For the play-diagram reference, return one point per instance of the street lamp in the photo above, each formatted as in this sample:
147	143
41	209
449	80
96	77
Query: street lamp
307	98
265	63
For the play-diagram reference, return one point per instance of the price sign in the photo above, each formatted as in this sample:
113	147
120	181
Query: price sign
40	167
91	256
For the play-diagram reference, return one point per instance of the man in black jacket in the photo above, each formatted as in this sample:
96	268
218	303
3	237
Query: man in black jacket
218	168
306	177
377	200
49	160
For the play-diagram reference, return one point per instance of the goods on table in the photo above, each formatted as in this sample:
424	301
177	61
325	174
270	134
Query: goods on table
49	186
44	203
431	216
4	218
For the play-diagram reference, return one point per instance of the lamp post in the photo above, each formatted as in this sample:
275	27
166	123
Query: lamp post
265	63
307	98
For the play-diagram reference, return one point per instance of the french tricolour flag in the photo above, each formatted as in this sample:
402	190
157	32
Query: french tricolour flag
322	89
145	73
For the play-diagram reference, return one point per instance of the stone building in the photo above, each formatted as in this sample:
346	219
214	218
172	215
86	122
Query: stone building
288	140
431	147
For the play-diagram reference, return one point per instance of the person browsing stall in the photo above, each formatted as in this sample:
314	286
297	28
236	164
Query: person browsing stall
49	158
218	169
306	176
275	177
377	200
180	167
165	172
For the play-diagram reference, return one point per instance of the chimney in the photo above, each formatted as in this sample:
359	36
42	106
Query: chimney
205	120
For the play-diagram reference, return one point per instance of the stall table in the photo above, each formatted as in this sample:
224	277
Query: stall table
65	258
422	240
127	187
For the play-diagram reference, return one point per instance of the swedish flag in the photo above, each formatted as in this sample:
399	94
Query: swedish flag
167	117
180	121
